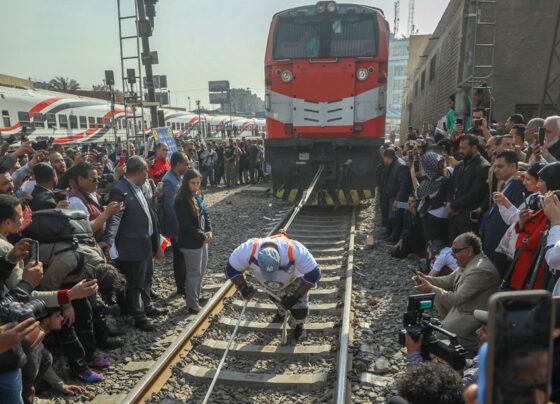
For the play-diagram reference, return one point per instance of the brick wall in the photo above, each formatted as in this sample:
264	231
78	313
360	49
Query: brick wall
523	42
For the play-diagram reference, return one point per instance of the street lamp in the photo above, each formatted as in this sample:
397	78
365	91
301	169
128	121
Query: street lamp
189	98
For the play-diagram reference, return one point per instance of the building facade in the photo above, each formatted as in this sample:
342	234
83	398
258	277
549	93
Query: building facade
397	78
522	50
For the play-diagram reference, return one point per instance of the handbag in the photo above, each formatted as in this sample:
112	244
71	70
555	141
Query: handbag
508	242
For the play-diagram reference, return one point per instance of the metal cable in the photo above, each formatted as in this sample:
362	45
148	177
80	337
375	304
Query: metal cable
223	360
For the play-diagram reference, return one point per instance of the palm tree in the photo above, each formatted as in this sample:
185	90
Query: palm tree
64	83
100	87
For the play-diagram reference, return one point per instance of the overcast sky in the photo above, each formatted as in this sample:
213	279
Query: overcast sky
196	41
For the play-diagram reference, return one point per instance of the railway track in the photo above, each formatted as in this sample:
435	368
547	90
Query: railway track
257	359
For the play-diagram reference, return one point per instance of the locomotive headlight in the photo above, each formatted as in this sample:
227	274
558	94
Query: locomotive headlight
362	74
287	76
331	7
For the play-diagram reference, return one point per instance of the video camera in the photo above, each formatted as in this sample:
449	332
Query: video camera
15	312
417	323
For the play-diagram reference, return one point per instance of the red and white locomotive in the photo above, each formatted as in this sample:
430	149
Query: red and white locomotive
325	75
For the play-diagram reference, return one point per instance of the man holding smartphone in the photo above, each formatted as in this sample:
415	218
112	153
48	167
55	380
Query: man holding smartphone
549	150
465	290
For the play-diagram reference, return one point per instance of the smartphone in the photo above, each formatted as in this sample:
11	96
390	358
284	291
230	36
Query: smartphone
525	200
519	359
122	160
41	145
542	132
459	121
33	251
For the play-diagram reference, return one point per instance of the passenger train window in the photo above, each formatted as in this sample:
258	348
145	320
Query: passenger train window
168	123
6	119
99	122
63	122
23	118
173	126
91	121
73	121
38	120
51	121
83	122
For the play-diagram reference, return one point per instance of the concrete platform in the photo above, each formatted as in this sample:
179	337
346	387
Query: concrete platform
254	189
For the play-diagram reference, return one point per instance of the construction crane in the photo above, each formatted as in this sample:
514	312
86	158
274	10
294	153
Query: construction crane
411	26
397	18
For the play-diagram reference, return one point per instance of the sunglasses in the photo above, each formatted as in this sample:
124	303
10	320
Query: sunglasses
94	179
458	250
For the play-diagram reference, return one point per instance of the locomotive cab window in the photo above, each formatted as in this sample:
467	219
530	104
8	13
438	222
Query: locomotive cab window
339	35
63	121
91	122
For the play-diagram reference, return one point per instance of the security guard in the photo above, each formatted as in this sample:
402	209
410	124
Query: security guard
282	266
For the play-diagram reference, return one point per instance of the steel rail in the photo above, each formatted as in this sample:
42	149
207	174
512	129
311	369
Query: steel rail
344	344
160	372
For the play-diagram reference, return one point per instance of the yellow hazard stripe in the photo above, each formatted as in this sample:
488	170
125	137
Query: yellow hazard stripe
355	196
280	193
328	198
292	196
341	197
368	193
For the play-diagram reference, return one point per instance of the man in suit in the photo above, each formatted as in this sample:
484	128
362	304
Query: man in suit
398	187
43	196
132	236
169	225
467	188
465	290
493	226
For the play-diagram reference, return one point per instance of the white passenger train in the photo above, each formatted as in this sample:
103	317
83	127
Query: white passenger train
76	119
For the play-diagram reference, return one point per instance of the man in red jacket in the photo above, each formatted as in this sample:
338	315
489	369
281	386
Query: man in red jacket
160	163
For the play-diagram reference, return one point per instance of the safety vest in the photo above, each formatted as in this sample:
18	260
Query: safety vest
291	260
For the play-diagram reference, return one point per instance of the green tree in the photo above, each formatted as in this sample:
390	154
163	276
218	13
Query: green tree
64	83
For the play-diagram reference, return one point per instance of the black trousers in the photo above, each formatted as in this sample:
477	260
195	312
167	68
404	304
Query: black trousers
138	276
78	341
178	265
435	228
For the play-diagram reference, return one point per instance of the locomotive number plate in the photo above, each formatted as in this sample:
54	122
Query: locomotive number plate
304	156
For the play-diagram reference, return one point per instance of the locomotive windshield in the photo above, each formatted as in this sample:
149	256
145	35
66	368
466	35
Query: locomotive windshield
303	37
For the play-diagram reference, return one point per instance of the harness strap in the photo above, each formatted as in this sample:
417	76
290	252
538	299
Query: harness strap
292	261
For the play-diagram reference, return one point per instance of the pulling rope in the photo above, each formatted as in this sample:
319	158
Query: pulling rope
223	360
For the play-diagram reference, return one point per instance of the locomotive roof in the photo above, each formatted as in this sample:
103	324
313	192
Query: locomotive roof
343	8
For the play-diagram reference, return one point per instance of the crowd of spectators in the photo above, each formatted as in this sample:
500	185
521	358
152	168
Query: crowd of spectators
480	204
80	229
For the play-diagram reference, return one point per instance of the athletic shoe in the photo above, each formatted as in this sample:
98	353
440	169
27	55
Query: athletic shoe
99	363
89	376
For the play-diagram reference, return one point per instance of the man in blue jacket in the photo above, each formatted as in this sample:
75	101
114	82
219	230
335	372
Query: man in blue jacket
170	226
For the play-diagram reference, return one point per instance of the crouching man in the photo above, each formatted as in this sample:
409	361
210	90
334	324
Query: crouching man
283	267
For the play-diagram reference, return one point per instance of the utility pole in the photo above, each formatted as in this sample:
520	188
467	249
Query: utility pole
189	98
145	28
199	121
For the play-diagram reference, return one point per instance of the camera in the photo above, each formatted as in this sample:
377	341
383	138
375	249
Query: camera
105	180
417	323
15	312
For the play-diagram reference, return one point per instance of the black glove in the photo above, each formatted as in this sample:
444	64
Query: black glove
247	291
289	301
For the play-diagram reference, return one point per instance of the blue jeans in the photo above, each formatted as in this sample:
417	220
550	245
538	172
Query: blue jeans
10	387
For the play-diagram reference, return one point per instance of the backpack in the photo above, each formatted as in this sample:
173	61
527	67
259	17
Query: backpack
57	225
